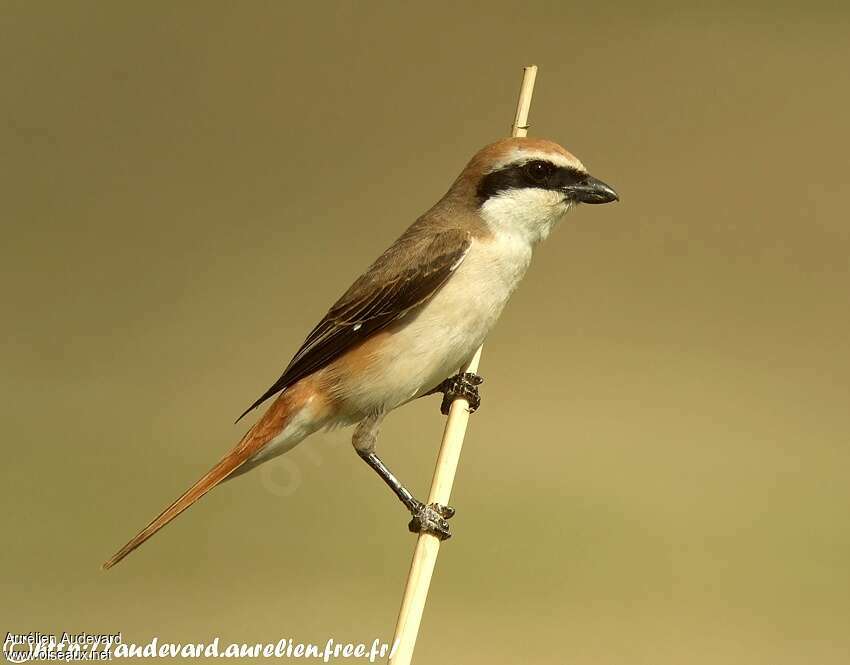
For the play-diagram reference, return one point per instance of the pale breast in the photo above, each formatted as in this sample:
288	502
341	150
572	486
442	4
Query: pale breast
432	343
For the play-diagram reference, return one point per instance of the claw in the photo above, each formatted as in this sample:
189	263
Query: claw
432	519
461	385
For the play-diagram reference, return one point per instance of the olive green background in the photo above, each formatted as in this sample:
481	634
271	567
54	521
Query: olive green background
659	471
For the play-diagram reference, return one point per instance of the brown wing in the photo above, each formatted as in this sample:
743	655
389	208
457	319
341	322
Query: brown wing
403	277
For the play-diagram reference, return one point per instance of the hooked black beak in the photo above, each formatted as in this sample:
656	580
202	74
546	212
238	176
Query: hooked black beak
591	190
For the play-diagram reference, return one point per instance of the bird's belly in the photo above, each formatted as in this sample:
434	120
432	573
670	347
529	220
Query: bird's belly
433	342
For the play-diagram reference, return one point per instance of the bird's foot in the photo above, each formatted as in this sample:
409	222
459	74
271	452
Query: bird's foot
432	518
463	385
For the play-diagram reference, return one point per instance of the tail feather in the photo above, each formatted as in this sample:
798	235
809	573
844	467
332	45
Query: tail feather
258	436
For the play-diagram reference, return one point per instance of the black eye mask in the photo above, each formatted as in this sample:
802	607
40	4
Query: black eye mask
537	174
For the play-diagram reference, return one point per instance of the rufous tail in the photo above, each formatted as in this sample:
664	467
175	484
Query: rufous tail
272	423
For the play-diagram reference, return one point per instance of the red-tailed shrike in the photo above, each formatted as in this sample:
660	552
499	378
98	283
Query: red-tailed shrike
408	324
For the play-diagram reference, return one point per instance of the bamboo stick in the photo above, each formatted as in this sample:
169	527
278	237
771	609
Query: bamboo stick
428	545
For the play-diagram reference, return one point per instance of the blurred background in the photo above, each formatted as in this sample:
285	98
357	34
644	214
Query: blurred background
186	188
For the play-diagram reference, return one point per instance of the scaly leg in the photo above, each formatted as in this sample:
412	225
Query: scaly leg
431	518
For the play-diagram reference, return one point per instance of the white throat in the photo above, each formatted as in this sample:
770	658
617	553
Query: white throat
528	213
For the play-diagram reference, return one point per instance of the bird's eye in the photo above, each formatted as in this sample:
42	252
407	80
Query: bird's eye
537	170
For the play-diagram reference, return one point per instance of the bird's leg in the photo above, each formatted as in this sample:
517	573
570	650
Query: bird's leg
431	518
463	384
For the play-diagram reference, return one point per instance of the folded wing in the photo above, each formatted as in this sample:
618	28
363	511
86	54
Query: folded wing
409	273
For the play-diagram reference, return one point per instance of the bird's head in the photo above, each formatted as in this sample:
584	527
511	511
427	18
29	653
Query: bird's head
525	185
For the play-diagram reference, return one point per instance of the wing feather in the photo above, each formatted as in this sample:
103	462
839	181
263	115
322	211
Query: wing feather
405	276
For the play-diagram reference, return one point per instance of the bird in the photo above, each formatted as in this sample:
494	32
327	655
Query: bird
410	323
